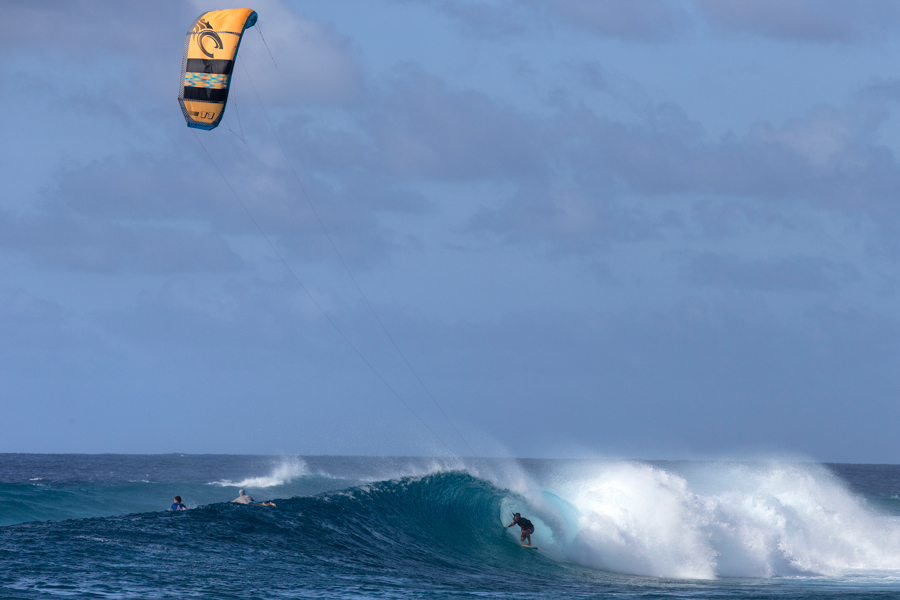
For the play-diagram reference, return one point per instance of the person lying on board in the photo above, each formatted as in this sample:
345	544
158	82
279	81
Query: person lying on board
243	498
177	505
526	526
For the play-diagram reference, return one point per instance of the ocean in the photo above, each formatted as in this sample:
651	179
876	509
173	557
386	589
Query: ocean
98	526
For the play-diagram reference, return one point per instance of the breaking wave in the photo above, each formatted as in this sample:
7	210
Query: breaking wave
283	472
707	520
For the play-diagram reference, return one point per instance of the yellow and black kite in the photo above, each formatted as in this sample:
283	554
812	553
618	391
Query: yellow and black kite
209	54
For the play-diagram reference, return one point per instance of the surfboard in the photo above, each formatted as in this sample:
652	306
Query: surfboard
529	547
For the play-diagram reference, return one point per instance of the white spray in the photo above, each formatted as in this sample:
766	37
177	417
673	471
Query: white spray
705	520
286	470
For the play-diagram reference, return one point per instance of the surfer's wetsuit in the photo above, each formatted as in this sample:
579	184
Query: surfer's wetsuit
526	526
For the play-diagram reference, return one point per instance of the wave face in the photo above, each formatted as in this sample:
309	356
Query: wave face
434	530
439	532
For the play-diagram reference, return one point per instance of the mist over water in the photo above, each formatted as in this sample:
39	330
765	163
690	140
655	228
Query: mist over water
431	526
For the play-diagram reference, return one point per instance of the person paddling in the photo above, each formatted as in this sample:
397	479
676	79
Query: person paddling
526	526
177	505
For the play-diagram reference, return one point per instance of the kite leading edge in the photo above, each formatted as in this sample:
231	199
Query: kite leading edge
210	50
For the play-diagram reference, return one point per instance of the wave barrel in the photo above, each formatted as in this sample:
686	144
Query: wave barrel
210	50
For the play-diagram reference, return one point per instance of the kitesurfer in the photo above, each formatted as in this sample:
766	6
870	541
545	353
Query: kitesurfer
244	498
177	505
526	526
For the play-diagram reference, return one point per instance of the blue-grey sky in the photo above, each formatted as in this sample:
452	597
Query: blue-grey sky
661	229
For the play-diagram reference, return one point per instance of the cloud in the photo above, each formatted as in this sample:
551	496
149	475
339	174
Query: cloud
811	21
720	219
79	244
170	211
489	18
22	312
650	20
137	186
568	219
827	159
570	177
81	28
828	152
799	273
879	90
805	20
825	138
424	129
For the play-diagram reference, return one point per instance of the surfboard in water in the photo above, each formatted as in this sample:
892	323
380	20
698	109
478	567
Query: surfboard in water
529	547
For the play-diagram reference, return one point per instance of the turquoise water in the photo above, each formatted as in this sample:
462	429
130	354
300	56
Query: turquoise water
96	527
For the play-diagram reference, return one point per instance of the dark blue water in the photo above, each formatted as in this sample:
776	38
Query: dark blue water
80	526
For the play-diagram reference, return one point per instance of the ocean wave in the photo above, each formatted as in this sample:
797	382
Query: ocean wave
681	521
283	472
688	521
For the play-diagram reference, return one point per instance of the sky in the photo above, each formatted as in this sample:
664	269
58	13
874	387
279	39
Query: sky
660	229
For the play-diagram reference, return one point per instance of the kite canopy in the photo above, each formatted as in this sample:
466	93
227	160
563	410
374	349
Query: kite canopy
210	50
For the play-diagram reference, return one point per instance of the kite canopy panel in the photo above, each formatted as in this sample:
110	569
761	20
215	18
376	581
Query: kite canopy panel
210	50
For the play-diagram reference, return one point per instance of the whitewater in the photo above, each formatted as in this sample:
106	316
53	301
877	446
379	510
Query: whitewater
98	526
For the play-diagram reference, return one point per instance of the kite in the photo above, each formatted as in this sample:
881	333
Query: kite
210	50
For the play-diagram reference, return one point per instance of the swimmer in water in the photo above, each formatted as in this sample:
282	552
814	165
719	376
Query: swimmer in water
177	505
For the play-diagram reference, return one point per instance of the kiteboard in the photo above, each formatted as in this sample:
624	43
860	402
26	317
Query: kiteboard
529	547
